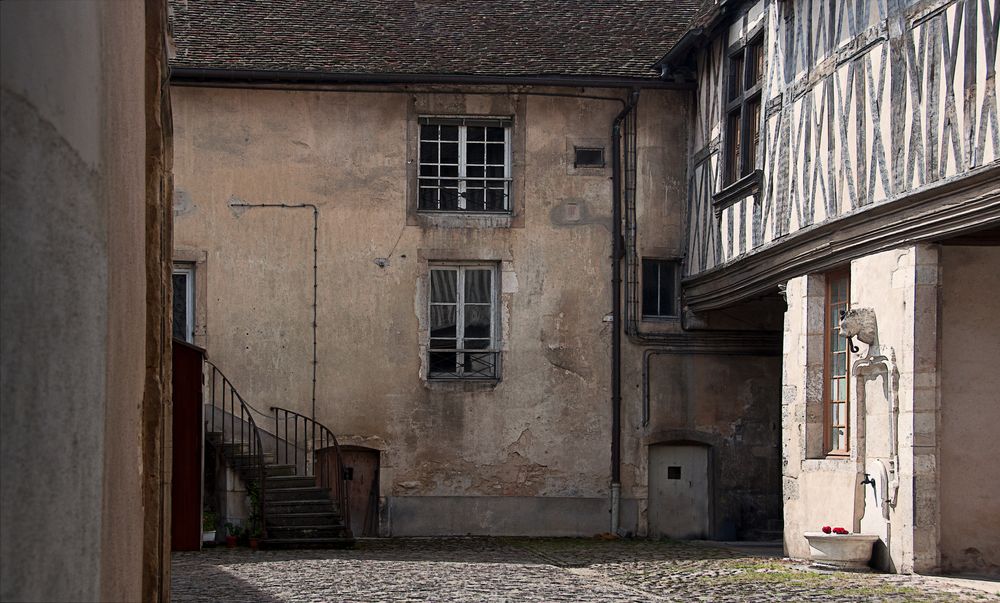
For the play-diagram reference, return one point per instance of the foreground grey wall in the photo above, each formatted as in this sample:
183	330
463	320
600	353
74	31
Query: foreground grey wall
53	300
71	300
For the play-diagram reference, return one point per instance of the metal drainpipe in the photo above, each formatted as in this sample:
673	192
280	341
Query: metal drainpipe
315	212
617	249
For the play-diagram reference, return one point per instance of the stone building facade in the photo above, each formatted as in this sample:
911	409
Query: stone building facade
517	439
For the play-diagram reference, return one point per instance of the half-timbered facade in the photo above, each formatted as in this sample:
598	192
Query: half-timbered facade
852	166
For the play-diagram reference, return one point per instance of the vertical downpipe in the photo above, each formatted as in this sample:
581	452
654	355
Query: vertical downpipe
616	309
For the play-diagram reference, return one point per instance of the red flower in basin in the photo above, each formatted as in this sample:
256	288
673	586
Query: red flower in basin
839	531
827	529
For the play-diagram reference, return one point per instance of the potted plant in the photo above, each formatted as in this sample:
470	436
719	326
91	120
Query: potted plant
255	536
208	523
255	531
232	534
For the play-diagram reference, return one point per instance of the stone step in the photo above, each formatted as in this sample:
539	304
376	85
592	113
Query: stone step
307	543
233	448
249	460
280	470
297	494
319	505
302	532
290	481
324	518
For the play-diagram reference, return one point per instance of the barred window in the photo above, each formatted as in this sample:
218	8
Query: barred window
464	164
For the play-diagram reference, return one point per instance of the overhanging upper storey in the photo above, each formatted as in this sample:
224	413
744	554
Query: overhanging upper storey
861	106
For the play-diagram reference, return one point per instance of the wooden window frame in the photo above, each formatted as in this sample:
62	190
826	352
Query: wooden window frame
829	326
494	347
736	164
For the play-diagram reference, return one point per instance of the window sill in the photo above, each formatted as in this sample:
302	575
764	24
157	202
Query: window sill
742	188
463	219
460	385
829	463
660	319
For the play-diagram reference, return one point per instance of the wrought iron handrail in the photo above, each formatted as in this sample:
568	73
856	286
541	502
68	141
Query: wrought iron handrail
245	427
289	442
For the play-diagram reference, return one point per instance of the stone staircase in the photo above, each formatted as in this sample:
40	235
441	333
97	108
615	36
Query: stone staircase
298	513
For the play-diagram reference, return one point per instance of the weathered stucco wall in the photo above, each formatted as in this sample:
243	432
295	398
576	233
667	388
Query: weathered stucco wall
901	287
970	337
73	295
542	432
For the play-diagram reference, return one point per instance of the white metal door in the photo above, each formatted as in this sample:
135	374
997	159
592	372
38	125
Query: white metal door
678	491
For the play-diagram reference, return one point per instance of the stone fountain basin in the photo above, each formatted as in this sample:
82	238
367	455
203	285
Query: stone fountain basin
841	551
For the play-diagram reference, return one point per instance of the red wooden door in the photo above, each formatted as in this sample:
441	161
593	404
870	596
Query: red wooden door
185	506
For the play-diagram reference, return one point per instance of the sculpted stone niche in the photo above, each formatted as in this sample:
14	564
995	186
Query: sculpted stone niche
877	417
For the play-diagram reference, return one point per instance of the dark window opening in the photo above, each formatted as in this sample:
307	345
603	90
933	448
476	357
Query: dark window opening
183	303
673	472
743	104
659	288
588	157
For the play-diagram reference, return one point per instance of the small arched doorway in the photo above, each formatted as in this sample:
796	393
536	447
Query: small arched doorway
680	489
361	468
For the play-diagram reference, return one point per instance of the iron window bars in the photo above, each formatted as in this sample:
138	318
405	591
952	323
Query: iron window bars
464	164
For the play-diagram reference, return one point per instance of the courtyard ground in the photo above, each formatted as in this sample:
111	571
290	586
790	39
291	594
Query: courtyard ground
515	569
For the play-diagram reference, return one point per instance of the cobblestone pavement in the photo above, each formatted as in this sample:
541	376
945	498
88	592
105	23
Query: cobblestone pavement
503	569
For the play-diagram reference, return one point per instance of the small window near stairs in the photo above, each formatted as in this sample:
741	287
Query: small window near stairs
183	304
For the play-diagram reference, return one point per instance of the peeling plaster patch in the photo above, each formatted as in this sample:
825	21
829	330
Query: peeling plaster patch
513	476
508	279
183	204
234	205
574	212
561	356
522	442
517	476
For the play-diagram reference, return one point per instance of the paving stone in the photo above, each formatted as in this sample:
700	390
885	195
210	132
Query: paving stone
505	569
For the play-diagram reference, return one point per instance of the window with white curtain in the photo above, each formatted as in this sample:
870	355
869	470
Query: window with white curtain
463	322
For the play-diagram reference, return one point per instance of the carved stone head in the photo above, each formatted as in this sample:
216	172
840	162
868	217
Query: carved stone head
859	323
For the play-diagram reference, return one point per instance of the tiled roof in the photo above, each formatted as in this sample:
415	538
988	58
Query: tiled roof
580	38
